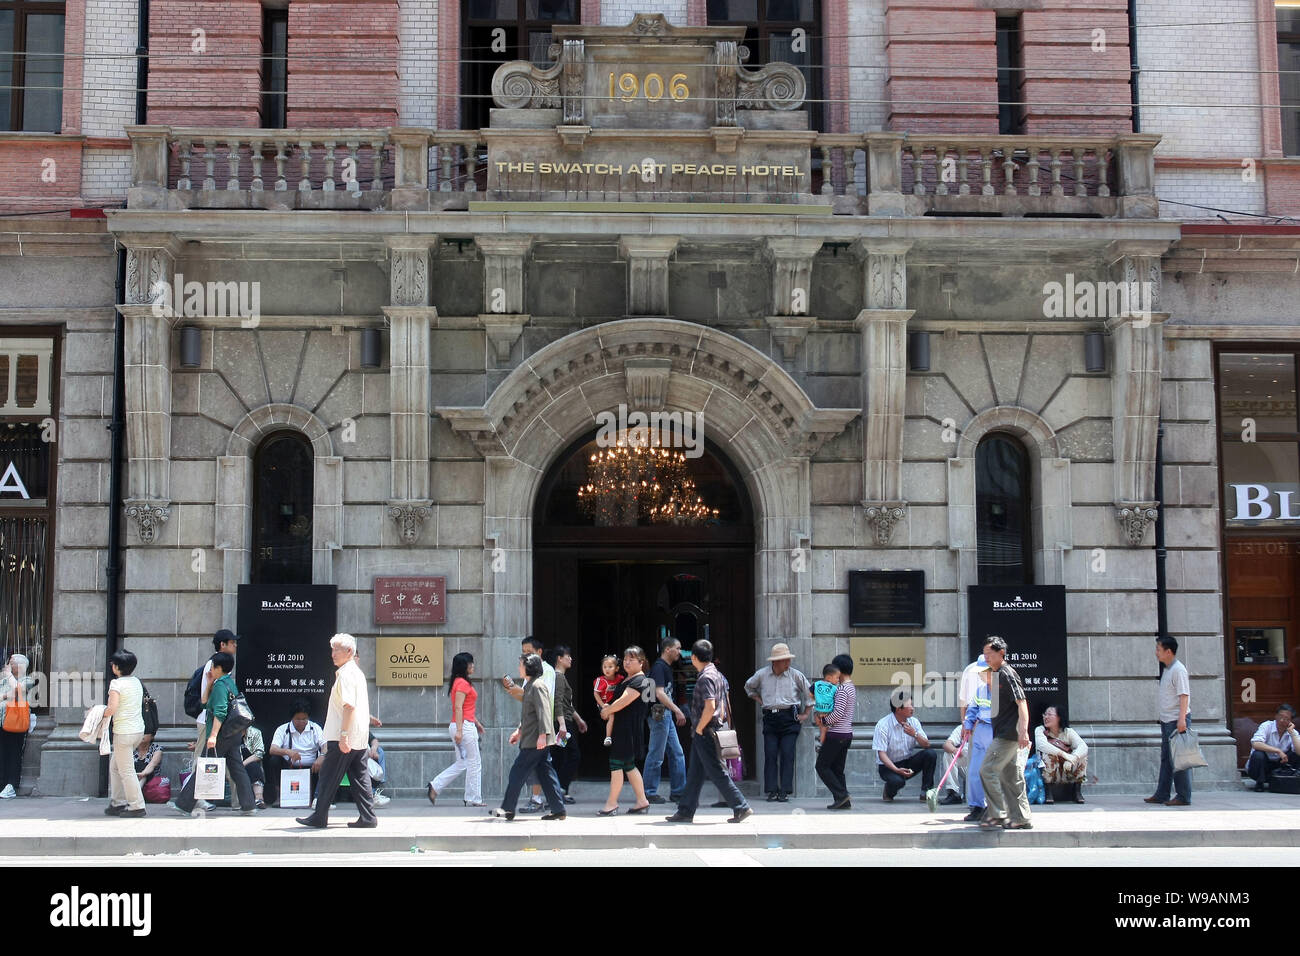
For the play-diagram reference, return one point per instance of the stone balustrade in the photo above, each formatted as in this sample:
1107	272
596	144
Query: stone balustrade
873	174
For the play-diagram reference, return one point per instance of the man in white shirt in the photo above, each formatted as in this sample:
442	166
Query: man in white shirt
347	733
1175	698
902	748
1274	745
296	745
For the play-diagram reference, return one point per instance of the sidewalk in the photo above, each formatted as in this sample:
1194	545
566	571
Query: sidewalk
66	826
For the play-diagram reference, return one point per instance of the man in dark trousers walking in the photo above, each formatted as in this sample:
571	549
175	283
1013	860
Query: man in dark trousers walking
347	734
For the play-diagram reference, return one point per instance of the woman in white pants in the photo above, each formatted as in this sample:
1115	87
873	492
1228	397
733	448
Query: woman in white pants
465	731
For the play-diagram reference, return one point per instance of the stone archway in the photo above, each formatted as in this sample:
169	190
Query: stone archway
234	532
753	410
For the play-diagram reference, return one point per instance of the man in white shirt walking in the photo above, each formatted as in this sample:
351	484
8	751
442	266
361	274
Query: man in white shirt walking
347	732
1175	715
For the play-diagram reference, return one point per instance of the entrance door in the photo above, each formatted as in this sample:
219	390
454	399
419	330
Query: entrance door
614	567
1263	629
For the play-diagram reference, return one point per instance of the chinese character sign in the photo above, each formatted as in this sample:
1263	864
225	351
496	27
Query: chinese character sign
411	600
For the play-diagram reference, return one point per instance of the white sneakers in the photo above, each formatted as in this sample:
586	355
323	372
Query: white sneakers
381	800
8	793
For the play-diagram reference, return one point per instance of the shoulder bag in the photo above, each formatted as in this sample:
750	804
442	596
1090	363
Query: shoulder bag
239	716
728	741
149	711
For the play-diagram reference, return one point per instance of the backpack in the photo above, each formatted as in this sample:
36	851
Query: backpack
194	694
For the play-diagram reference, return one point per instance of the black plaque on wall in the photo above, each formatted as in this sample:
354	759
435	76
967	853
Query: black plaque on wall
1031	619
284	649
886	599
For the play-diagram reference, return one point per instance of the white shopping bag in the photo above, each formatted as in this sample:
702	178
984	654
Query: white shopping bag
210	779
295	788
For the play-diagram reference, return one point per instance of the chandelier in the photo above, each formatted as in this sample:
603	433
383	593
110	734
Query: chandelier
633	479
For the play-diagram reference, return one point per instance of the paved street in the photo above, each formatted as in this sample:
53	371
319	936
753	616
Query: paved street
66	828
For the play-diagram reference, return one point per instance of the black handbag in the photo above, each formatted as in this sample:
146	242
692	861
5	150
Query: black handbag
239	716
1284	779
149	711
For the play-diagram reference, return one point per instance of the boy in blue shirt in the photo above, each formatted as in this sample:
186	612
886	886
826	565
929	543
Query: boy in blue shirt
824	699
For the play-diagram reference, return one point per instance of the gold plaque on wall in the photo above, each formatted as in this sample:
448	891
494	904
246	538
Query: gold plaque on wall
877	659
408	661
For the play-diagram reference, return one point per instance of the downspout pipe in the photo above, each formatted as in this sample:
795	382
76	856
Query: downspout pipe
1162	593
1134	70
117	433
142	64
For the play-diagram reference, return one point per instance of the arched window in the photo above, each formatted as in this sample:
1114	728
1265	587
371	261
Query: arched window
496	32
282	509
1002	514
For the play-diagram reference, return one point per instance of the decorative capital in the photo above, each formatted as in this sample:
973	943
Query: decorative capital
789	332
409	515
148	515
647	383
1136	517
503	332
882	516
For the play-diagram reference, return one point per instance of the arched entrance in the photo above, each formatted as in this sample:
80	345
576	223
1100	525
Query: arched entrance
603	581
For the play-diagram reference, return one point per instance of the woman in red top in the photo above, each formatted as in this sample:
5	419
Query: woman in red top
465	731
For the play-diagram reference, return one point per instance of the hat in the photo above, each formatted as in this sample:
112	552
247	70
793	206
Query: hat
225	634
781	652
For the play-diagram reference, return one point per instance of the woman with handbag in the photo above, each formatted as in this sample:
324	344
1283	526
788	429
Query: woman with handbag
125	702
16	720
223	703
148	759
628	740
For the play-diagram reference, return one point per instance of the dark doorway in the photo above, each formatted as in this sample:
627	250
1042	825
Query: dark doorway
600	589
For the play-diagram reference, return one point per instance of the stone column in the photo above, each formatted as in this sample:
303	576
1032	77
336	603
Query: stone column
149	316
409	318
505	259
791	261
883	325
1137	336
647	272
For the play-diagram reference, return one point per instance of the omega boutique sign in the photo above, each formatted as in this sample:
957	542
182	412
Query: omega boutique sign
649	112
1031	619
408	662
284	649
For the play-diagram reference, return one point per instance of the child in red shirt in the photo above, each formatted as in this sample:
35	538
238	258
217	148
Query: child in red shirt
604	690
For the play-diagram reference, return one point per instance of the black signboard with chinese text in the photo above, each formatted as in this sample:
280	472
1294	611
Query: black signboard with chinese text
284	649
887	599
1031	619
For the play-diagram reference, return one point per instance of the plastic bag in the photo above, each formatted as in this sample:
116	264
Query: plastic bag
1185	750
1034	787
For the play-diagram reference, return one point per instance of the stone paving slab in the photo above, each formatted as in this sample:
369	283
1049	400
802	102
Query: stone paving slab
54	826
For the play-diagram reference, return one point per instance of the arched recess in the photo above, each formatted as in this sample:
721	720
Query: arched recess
1049	479
753	411
234	531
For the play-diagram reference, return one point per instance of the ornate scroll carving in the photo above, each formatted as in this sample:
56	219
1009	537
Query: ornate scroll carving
572	62
409	515
882	516
148	516
1136	517
727	56
650	25
521	85
776	86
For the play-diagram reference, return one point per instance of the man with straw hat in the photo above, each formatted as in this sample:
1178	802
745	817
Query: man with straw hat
786	698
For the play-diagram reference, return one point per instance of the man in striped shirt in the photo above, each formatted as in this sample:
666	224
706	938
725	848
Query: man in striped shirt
839	736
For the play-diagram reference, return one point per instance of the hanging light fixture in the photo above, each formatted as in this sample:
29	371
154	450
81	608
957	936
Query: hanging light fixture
633	479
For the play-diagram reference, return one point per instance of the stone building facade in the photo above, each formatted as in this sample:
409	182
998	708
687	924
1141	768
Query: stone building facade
508	322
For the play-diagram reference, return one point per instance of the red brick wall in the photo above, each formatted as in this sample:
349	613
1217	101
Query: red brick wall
943	64
1070	87
1282	188
343	57
217	87
449	64
835	53
943	61
21	164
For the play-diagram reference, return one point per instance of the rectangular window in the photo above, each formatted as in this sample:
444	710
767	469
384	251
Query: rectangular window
31	66
496	32
1288	77
275	68
1261	439
1011	77
780	31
